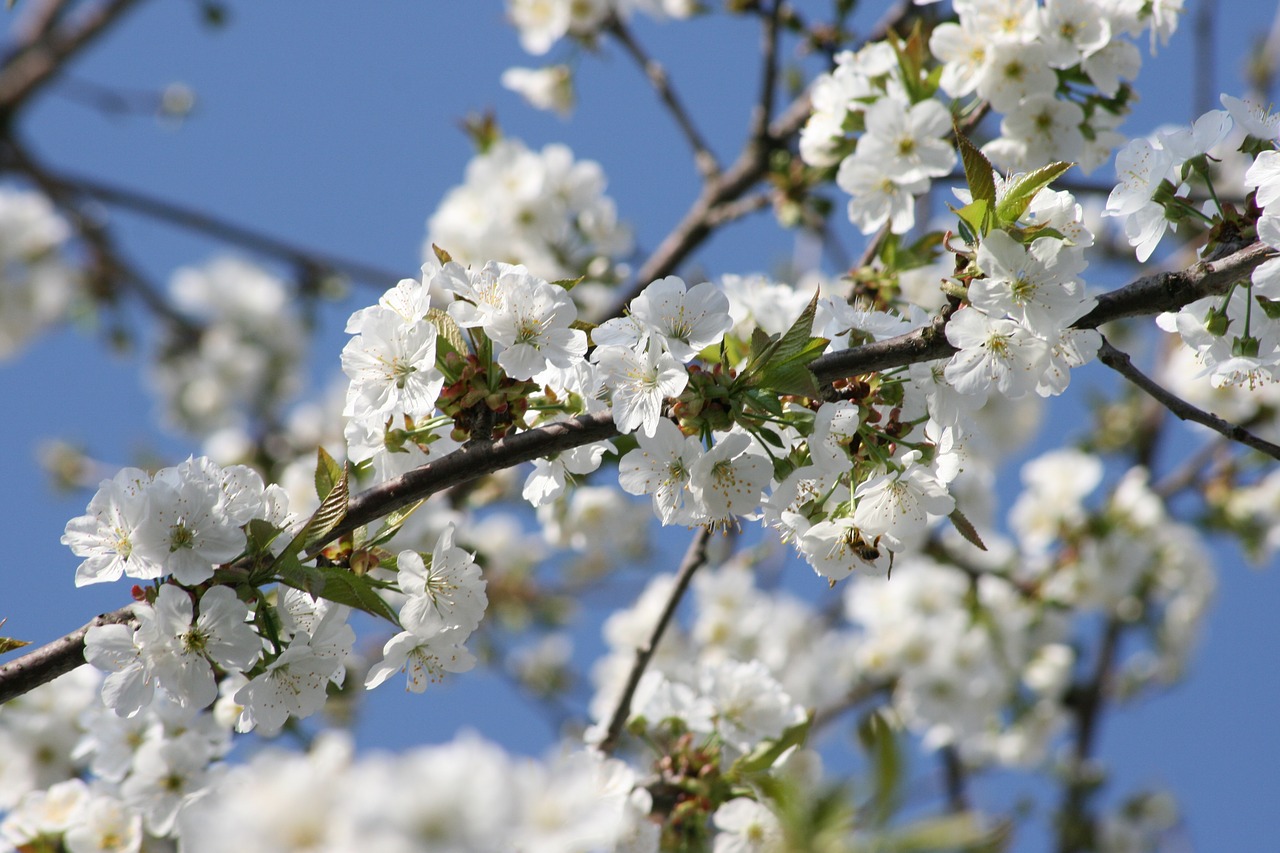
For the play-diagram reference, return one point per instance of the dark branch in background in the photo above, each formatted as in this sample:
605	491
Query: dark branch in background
1087	699
37	20
763	110
724	189
1120	363
34	65
694	559
954	774
108	262
229	232
703	157
49	661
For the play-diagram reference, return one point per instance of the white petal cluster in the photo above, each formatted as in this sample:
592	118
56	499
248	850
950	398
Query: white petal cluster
182	521
38	284
542	209
1235	339
246	359
444	602
480	799
542	23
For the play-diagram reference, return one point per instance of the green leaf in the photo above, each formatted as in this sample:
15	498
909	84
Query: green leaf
8	644
767	753
448	329
978	171
1018	195
261	533
880	742
330	513
977	216
768	436
293	573
761	342
441	255
765	401
569	283
392	523
781	365
327	473
343	586
966	528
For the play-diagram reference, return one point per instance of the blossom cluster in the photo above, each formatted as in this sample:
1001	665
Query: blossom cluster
245	356
37	283
274	655
1235	337
1054	70
542	209
542	23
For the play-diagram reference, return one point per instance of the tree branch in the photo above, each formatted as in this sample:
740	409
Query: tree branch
112	266
1152	294
1120	363
49	661
703	157
33	66
694	559
1073	828
696	225
229	232
763	110
1168	291
472	461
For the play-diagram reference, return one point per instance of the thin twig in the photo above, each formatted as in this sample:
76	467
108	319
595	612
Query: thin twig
730	211
1120	363
762	112
229	232
954	773
38	20
53	659
694	558
1088	706
111	263
656	74
35	66
729	186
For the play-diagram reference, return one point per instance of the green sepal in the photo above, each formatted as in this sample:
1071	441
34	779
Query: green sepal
441	255
1019	194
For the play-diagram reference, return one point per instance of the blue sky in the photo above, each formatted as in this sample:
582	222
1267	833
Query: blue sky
335	126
